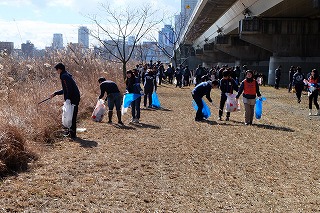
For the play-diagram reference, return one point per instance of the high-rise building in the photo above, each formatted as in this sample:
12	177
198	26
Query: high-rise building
27	49
166	37
6	47
187	8
83	36
131	40
57	41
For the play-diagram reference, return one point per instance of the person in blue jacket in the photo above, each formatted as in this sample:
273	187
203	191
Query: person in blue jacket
227	85
71	92
202	89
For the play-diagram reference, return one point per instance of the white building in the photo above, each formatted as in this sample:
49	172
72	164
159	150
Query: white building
57	42
83	36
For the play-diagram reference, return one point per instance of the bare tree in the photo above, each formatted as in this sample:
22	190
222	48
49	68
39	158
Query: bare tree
121	26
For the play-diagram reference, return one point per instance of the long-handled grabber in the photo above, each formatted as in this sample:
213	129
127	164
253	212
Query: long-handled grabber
44	100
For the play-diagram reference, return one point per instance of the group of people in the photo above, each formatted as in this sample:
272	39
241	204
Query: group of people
227	79
298	83
249	87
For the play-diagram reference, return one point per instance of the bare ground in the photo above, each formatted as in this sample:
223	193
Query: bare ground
170	163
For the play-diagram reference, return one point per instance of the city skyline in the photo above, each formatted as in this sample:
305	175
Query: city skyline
36	21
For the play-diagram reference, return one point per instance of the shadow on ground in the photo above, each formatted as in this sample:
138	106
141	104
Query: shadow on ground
86	143
143	125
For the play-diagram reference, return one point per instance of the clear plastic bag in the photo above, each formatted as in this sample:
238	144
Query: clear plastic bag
99	111
67	113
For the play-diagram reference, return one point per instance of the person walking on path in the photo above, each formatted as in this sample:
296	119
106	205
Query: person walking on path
250	89
278	76
133	86
71	92
202	89
313	90
150	84
227	85
292	71
113	97
297	83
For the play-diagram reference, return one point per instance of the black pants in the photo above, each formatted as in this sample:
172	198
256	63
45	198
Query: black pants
299	89
198	100
223	99
314	97
147	95
277	83
73	128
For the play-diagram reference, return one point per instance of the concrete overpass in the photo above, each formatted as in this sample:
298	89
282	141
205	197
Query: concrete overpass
260	33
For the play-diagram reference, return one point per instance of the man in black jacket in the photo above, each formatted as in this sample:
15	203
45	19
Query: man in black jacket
113	97
70	92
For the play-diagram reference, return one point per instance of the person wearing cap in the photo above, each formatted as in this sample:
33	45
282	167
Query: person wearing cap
113	97
250	89
227	85
71	93
202	89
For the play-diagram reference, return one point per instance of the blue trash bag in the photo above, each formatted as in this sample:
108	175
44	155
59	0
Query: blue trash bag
205	110
259	107
155	100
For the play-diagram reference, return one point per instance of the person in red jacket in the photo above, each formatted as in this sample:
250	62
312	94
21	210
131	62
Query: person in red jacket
313	90
250	89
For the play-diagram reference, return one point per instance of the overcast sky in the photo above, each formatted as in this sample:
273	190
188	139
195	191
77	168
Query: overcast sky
38	20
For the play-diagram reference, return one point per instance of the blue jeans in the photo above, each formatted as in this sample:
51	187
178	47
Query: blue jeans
135	108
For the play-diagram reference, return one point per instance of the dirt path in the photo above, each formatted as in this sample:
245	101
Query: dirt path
170	163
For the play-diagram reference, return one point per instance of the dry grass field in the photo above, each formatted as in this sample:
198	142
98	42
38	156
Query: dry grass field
170	163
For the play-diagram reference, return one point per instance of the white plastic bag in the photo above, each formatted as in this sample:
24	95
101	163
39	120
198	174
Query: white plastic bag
99	110
67	113
232	105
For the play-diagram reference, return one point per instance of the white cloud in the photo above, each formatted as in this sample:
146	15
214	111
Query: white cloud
38	32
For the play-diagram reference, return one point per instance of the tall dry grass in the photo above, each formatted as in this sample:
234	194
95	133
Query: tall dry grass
24	83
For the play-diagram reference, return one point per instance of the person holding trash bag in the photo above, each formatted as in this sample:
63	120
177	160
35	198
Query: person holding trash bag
313	91
297	83
227	85
202	89
133	86
71	93
113	97
150	84
250	89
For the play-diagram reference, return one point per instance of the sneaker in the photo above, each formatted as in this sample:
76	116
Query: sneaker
220	118
109	122
120	122
310	112
299	101
227	119
136	120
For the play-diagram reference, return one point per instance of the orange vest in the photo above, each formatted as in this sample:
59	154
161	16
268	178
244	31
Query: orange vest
249	87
